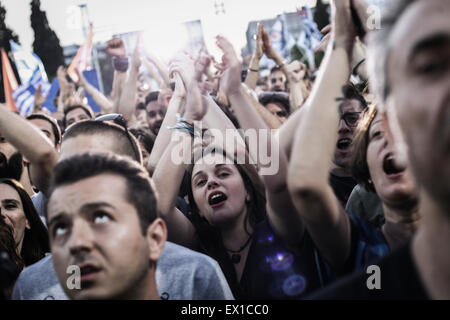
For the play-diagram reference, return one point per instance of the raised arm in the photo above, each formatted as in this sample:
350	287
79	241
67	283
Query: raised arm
296	72
314	144
104	103
116	49
169	172
281	211
164	134
160	66
32	144
127	101
253	69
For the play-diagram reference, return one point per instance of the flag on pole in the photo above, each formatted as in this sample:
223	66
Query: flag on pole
9	82
26	63
24	95
82	60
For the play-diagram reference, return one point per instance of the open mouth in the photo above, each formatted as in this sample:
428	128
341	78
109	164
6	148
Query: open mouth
88	272
344	144
217	199
390	167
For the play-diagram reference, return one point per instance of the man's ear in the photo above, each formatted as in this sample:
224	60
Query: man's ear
156	237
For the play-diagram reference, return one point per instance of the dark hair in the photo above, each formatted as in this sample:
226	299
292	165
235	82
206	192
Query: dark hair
85	108
360	169
139	188
210	236
350	92
35	242
140	106
274	69
144	138
11	264
52	121
279	98
152	96
126	143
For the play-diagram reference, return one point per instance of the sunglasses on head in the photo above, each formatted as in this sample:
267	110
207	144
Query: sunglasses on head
118	119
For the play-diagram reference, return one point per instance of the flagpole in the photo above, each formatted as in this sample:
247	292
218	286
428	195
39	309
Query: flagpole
86	23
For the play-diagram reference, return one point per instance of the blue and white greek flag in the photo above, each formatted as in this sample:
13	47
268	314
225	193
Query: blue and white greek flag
26	63
24	94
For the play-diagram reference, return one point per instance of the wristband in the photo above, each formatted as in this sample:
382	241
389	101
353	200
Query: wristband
254	70
183	125
120	64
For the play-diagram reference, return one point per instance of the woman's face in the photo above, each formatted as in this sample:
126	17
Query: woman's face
218	190
394	184
12	211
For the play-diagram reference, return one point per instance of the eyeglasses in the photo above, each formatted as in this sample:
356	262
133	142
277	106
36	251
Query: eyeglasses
118	119
351	118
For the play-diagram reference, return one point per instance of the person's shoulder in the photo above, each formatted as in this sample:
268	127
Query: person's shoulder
172	253
39	282
199	274
43	265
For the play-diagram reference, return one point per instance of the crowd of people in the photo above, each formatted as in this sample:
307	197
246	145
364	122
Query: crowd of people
225	185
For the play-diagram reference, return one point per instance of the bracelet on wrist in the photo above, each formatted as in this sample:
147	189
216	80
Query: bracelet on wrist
183	125
253	70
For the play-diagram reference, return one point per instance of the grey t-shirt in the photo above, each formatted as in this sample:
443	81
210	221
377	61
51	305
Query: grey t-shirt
366	205
181	274
40	204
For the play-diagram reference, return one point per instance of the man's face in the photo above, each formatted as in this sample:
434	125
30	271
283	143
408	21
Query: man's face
76	115
95	227
155	115
45	127
347	127
11	162
419	75
277	81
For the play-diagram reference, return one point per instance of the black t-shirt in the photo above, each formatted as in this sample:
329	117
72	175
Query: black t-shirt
398	278
272	271
342	187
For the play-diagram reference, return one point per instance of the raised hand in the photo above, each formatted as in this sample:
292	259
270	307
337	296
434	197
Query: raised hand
183	66
296	71
267	45
343	30
322	46
230	67
39	98
116	48
136	59
183	63
259	50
